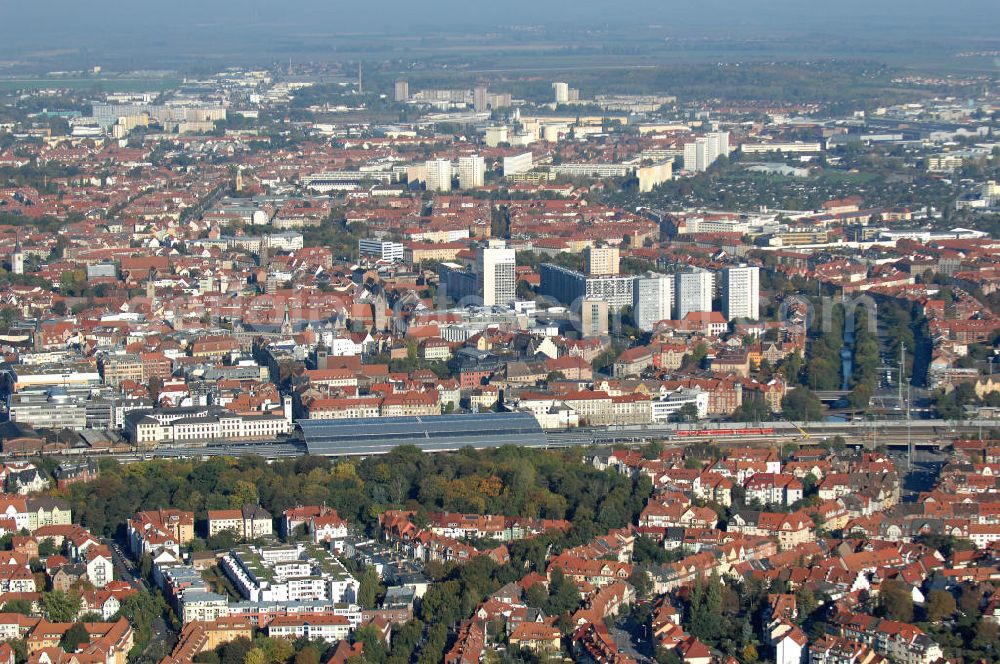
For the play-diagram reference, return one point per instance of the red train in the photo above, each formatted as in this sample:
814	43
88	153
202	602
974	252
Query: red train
725	432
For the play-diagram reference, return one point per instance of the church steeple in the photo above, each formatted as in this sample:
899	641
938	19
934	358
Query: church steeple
286	322
150	284
17	257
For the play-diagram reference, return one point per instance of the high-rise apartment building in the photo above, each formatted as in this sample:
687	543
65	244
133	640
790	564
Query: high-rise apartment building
471	172
438	174
593	317
741	292
701	154
718	144
568	286
495	273
652	299
654	175
401	91
601	260
480	99
692	292
561	92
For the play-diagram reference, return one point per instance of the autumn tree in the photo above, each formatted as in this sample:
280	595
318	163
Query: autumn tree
236	651
255	656
896	600
308	655
940	605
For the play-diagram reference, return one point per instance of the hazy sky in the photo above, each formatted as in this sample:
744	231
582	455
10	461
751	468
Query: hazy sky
42	25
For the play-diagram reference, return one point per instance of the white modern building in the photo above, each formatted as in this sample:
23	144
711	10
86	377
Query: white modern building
796	147
481	99
495	273
380	249
401	91
692	292
471	172
663	407
521	163
741	292
601	261
654	175
652	299
560	91
289	574
330	628
438	175
585	170
701	154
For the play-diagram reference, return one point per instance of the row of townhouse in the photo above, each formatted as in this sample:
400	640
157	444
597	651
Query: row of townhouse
160	530
503	528
597	573
32	513
109	642
789	529
249	522
322	523
898	641
412	403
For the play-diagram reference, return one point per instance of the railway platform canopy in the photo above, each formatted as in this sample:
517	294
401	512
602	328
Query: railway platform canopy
431	433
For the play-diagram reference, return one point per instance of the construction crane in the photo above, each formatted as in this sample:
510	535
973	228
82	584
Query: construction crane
805	434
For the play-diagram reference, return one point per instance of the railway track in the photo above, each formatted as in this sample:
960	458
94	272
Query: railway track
934	434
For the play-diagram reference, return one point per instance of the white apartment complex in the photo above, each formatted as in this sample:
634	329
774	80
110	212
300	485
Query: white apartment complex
602	261
289	574
741	292
471	172
495	272
652	299
383	250
437	174
701	154
692	292
515	165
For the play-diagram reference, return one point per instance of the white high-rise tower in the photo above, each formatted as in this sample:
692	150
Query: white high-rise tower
471	172
652	299
438	174
561	91
692	292
495	273
741	292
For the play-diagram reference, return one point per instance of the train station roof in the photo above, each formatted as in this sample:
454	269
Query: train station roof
431	433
